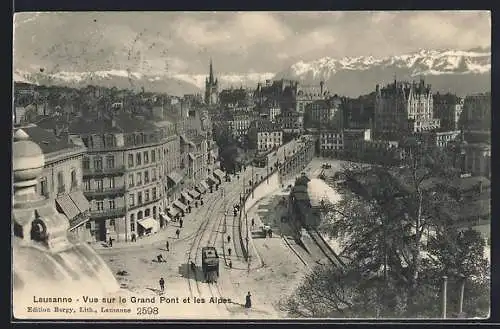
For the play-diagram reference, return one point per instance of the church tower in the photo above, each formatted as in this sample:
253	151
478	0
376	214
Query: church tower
211	88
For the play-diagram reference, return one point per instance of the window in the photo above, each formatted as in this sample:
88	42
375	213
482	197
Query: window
86	183
146	157
110	141
112	204
153	156
43	186
111	182
100	184
147	212
153	174
131	199
138	159
74	182
86	163
132	222
130	180
154	193
85	141
130	160
146	177
139	178
146	196
139	197
60	182
88	225
100	205
112	222
139	215
110	161
98	163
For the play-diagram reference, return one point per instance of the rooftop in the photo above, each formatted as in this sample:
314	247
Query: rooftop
124	123
47	140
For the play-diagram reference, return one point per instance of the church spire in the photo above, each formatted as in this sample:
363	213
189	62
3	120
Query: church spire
211	76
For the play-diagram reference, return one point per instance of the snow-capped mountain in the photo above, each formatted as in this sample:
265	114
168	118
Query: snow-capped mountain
175	84
461	72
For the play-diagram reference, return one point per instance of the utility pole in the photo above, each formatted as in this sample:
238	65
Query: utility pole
461	302
252	184
443	297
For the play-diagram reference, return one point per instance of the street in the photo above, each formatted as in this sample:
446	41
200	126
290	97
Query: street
272	274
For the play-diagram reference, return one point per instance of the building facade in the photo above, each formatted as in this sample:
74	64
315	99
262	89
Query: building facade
265	136
402	108
61	178
448	109
477	112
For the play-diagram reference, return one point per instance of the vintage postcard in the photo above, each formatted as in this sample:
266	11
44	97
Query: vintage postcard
251	165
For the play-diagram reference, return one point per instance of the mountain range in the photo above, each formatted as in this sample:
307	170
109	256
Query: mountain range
460	72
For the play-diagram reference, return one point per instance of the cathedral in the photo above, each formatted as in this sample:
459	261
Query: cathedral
211	88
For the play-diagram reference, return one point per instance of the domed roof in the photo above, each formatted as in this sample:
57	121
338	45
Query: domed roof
26	154
318	191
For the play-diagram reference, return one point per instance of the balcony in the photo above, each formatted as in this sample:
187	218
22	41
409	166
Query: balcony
104	192
107	213
118	170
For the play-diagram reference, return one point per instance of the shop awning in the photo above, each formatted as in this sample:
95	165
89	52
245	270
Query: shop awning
219	173
212	180
173	211
165	217
195	194
180	205
67	206
80	201
147	223
186	197
175	177
202	187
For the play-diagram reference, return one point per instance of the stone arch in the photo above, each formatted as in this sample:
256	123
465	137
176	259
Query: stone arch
139	215
147	212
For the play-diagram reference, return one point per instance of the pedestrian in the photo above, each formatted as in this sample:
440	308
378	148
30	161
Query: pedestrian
178	232
230	264
167	244
110	242
229	251
180	223
162	284
253	222
134	238
270	233
228	239
248	301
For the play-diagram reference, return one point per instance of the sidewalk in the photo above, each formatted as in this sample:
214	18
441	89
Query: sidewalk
168	232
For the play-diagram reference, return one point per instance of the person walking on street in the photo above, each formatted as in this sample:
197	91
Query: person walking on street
167	245
229	251
230	264
248	301
110	242
253	222
181	222
162	284
177	232
134	238
228	239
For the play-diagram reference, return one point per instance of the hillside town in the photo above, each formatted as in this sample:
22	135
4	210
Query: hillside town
280	182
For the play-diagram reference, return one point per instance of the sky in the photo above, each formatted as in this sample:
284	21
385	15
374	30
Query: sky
238	42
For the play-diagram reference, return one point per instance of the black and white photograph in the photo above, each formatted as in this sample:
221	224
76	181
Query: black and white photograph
257	165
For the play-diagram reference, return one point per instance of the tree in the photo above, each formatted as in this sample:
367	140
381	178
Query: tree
383	223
